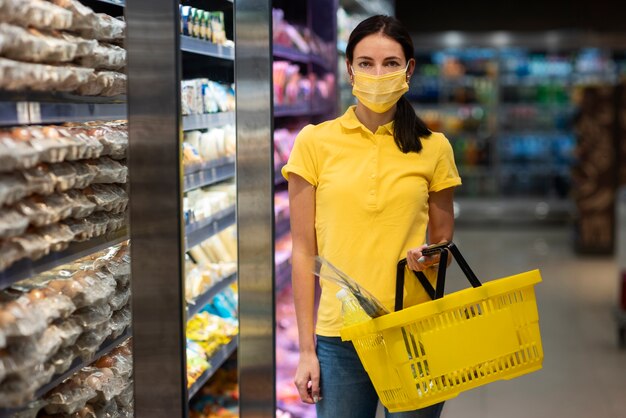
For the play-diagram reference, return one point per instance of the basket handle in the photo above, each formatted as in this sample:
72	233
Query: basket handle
434	293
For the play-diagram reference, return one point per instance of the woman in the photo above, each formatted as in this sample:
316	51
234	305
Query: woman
363	188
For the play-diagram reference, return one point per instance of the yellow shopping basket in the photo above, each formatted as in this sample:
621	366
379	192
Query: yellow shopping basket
431	352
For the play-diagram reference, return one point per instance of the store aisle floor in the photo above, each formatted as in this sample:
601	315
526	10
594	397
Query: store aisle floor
584	373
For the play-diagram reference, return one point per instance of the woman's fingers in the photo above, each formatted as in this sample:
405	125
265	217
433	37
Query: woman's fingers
418	262
303	389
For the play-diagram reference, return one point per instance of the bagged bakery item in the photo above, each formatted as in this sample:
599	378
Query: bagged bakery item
12	223
57	235
108	170
31	45
13	187
45	210
104	83
105	57
15	154
35	13
85	174
82	229
65	176
81	205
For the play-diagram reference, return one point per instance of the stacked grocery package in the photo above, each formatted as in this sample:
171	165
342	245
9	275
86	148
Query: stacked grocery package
64	263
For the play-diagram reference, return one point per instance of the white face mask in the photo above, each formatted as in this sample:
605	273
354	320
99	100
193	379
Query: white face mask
380	92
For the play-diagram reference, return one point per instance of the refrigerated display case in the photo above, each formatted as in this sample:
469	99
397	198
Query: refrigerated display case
64	261
304	88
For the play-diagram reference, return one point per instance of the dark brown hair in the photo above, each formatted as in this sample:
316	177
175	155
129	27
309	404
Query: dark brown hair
408	128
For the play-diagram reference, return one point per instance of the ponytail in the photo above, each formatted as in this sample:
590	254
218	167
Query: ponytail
408	128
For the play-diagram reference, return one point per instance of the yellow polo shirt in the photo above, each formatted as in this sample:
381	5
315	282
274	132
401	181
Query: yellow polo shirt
371	204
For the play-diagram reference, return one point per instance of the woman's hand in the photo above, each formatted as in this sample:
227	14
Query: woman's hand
419	262
307	378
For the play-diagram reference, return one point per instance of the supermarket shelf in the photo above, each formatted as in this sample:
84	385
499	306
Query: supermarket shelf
120	3
199	232
209	49
20	113
78	364
301	109
202	300
291	54
215	362
208	120
55	97
282	228
212	172
512	210
24	269
294	55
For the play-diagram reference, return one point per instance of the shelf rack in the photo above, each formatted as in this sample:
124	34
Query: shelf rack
208	120
294	55
198	232
209	173
215	362
209	49
25	268
201	301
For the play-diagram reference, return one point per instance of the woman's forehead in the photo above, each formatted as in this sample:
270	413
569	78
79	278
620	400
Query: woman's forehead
378	46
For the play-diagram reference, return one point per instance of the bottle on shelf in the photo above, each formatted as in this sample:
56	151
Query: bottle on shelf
351	311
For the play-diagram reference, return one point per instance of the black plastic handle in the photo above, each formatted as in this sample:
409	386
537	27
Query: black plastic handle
434	293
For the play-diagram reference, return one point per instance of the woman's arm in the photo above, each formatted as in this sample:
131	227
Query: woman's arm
302	213
440	228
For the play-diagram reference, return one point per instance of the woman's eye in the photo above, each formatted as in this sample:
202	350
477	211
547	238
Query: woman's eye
393	64
364	64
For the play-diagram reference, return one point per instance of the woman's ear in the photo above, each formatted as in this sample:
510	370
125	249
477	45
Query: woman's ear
349	70
410	69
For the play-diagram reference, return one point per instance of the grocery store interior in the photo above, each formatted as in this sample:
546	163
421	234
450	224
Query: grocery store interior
145	247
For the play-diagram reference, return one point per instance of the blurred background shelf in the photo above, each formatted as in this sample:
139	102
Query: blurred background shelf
208	120
215	362
197	232
209	49
209	173
201	301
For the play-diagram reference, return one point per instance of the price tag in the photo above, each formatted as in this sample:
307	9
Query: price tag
34	108
215	228
22	112
213	173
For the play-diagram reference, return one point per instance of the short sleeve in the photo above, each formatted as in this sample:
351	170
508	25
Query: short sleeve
446	174
303	158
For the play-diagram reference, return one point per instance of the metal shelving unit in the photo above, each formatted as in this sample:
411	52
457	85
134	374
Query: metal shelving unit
208	120
215	362
209	173
201	47
30	112
199	232
201	301
294	55
26	268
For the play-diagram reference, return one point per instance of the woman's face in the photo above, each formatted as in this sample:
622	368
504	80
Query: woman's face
378	54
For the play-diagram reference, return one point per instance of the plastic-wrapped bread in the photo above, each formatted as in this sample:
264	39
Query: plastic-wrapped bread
16	75
85	174
45	210
81	205
30	45
90	341
13	187
35	13
69	330
69	397
105	57
16	154
104	83
12	223
105	28
107	197
47	141
39	180
93	318
31	245
120	298
83	17
16	391
82	229
65	176
10	252
62	360
84	47
120	320
108	170
116	221
57	235
117	262
92	147
84	288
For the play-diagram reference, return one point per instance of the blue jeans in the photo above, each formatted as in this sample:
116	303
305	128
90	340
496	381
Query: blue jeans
346	389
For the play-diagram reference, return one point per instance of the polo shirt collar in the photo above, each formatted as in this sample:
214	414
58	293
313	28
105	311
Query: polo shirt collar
349	121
